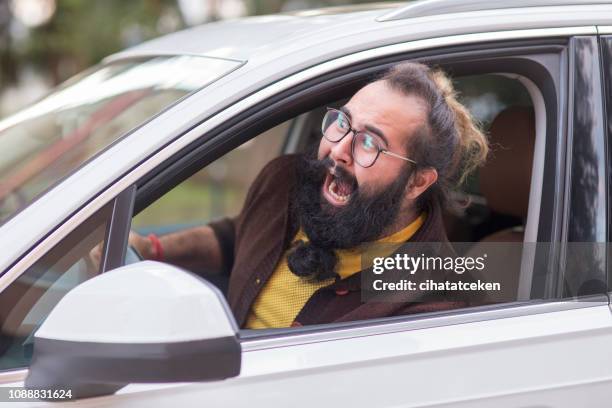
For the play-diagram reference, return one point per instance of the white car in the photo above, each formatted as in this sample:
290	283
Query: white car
214	104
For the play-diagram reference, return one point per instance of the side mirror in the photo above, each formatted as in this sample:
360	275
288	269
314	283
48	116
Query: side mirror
147	322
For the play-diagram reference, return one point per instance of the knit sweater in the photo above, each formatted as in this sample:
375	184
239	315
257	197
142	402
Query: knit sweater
253	243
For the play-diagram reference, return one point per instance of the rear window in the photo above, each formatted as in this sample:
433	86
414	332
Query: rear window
50	139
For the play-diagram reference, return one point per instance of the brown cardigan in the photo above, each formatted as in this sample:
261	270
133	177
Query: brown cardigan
253	243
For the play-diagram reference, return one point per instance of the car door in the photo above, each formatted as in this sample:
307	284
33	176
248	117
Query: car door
509	355
546	350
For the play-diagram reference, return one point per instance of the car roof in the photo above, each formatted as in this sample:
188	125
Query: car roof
240	39
433	7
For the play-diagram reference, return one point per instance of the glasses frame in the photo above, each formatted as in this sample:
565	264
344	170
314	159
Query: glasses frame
351	129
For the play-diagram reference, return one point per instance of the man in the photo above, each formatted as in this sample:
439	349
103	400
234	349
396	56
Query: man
381	174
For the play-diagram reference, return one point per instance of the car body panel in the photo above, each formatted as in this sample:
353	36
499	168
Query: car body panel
479	364
289	38
433	7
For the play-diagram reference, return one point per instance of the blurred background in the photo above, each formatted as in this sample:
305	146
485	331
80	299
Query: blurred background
44	42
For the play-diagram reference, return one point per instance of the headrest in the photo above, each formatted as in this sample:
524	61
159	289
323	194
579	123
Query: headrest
506	176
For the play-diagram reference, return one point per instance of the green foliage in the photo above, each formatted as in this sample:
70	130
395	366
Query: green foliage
258	7
81	32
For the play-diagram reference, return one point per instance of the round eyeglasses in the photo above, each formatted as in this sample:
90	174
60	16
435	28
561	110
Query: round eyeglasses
365	146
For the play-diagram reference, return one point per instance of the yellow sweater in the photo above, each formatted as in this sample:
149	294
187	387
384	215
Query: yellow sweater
285	294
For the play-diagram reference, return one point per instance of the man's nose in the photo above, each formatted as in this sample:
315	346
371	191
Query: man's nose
341	151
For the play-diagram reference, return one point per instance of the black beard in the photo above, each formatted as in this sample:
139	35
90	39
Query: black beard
363	219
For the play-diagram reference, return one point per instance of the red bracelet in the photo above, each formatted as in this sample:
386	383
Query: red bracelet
158	252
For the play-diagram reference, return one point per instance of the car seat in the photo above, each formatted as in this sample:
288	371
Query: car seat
505	182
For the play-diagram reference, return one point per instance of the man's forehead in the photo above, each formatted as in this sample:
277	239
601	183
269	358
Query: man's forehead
380	105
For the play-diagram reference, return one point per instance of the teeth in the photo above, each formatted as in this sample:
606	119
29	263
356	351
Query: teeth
331	188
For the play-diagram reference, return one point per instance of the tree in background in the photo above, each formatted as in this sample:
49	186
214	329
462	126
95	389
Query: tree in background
76	34
81	33
257	7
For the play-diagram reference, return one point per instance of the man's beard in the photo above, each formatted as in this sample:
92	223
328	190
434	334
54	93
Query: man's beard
366	216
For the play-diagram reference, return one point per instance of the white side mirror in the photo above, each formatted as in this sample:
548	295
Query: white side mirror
143	323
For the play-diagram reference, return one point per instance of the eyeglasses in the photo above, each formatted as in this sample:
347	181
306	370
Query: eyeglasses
365	146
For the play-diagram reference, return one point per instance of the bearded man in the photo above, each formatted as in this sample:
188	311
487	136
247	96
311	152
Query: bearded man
381	174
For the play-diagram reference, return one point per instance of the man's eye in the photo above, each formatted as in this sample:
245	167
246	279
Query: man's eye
342	122
368	143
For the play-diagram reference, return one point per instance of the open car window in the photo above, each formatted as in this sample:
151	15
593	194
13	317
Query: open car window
497	195
216	191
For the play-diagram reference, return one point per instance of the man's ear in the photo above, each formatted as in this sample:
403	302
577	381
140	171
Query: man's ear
420	182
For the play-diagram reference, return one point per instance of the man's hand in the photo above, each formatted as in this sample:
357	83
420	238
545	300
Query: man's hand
143	245
195	249
94	259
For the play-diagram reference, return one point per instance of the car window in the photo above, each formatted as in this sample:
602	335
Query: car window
489	98
493	214
494	200
28	300
47	141
499	212
494	218
216	191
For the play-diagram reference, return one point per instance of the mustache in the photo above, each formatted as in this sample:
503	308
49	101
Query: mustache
341	175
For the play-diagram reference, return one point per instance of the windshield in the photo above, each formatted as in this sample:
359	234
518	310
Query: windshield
50	139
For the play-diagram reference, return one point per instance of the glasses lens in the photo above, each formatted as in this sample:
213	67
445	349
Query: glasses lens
335	125
365	149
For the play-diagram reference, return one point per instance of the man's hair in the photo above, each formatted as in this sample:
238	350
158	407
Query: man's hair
449	141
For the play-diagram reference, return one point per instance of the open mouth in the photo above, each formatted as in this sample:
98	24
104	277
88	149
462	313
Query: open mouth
337	191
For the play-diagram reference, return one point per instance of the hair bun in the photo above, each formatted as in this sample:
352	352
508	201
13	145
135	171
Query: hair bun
474	147
451	140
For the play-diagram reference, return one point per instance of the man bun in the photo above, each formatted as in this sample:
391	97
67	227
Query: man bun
473	145
450	140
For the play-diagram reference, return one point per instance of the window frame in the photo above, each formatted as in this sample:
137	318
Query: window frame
585	220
